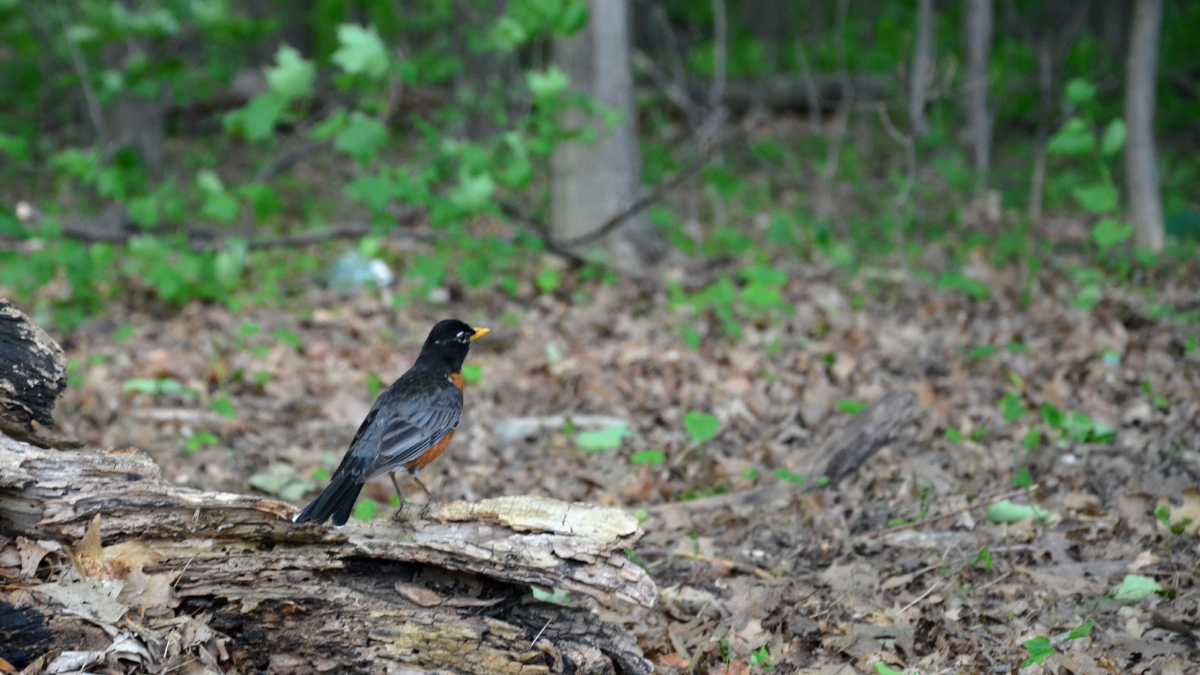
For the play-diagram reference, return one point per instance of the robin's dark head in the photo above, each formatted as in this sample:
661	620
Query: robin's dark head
448	344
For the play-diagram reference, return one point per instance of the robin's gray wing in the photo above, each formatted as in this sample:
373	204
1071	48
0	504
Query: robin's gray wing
415	425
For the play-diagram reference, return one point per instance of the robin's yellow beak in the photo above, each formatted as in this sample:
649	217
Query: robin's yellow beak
480	332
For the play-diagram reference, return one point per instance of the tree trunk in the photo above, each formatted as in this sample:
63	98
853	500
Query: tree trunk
978	80
104	564
1141	162
922	69
593	181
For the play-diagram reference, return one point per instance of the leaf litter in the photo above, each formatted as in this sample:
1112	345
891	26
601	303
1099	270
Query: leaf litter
882	570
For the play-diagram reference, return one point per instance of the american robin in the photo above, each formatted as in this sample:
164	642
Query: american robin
410	424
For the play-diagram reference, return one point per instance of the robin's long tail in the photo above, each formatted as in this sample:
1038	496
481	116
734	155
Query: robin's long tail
337	501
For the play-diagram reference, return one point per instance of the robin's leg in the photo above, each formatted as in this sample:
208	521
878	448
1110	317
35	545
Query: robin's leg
395	484
428	494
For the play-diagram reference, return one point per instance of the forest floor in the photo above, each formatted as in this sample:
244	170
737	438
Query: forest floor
829	583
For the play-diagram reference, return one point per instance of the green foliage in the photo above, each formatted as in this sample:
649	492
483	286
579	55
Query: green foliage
851	406
784	474
1022	478
472	372
608	438
700	426
1012	407
983	556
365	509
1005	511
290	488
651	457
1039	648
1135	587
760	657
224	407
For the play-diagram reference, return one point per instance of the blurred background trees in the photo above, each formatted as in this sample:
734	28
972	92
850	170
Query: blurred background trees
205	149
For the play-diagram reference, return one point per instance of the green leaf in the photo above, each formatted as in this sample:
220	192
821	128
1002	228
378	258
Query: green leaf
1134	587
762	295
366	509
1108	233
258	119
558	596
289	338
981	352
268	483
953	434
1007	512
143	385
882	669
361	51
608	438
973	287
1114	138
547	280
224	407
472	372
761	657
851	406
547	84
1052	415
701	426
651	457
1017	347
984	556
1080	91
1022	479
1012	407
691	336
1039	648
473	192
362	137
375	191
1073	140
1084	630
201	439
122	334
750	473
321	473
1098	198
784	474
292	77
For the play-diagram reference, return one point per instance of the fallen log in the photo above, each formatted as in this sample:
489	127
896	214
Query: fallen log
105	567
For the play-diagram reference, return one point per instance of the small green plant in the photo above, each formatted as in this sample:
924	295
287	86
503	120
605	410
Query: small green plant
785	475
1012	407
472	372
167	386
981	352
651	457
700	426
1160	402
224	407
1021	479
984	556
608	438
199	440
366	509
851	406
289	338
1077	426
1007	512
1040	647
955	435
760	657
1032	439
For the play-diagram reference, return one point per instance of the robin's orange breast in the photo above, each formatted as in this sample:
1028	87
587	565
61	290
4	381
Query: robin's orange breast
430	454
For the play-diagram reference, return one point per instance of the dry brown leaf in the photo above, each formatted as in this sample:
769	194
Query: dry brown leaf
1133	509
673	660
419	595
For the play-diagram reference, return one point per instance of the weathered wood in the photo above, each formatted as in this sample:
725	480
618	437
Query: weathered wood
33	372
444	588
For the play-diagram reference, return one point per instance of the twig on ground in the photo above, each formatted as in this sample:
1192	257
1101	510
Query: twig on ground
957	512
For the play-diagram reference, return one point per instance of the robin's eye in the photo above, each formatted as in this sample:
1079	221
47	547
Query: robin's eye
462	337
